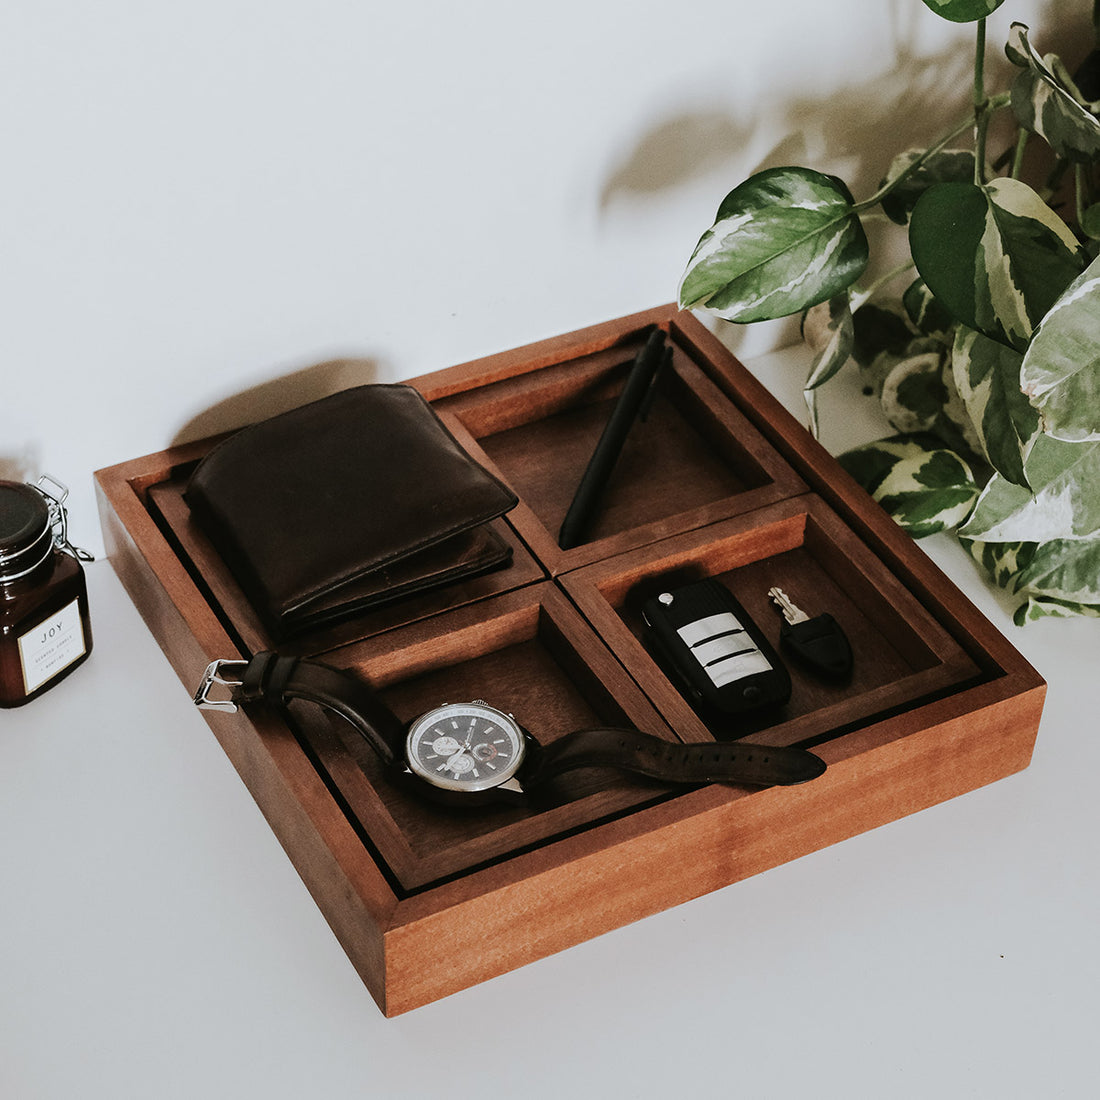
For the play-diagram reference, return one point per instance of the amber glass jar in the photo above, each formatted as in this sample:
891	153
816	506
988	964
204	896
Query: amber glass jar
45	631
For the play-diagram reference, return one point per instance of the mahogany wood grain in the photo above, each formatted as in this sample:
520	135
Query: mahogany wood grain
692	460
669	854
527	653
901	654
941	702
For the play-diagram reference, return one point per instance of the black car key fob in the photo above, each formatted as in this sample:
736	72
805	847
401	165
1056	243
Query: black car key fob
715	649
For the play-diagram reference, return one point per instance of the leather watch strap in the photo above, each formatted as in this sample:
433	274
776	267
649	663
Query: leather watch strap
673	762
275	679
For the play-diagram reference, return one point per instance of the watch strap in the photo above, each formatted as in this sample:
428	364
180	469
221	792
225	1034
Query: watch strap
673	762
275	679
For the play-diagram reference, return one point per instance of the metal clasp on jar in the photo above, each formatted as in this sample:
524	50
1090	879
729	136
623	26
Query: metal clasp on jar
55	494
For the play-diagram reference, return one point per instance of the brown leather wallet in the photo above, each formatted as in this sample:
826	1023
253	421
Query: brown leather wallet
346	504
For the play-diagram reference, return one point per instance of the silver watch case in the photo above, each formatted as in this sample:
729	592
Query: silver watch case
466	747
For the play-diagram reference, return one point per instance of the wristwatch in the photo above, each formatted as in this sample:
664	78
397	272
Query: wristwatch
472	754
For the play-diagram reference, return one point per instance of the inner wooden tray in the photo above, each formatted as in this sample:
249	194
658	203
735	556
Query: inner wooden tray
902	655
694	458
165	501
527	653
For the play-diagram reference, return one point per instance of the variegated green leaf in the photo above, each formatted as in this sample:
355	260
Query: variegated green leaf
913	394
1064	569
1057	577
1046	105
941	167
828	331
919	395
995	256
1063	503
964	11
784	240
925	488
1038	607
987	376
927	315
1001	560
1061	368
1090	221
882	334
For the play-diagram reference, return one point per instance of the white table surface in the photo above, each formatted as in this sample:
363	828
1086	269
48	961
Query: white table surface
155	941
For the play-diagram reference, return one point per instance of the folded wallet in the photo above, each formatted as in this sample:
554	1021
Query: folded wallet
346	504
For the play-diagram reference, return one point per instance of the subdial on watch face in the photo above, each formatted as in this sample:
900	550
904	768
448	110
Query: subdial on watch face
460	764
465	746
445	746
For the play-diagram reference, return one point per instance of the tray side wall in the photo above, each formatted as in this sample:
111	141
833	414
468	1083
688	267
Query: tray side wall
640	870
352	896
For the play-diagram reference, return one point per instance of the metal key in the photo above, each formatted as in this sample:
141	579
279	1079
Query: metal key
791	613
818	642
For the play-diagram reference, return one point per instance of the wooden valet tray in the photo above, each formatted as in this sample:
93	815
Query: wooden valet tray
717	481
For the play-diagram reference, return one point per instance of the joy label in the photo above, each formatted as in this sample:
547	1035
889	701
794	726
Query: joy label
51	646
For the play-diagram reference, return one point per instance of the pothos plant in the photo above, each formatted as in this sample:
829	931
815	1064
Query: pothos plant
988	365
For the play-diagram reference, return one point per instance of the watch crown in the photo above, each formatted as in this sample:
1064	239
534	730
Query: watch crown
481	701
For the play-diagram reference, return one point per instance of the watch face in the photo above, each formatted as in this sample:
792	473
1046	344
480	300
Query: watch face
464	747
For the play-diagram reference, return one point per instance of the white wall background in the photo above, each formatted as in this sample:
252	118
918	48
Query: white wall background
202	199
201	202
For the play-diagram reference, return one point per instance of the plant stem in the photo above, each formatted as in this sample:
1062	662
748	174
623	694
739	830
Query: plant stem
981	106
931	151
1083	197
861	297
984	108
1018	159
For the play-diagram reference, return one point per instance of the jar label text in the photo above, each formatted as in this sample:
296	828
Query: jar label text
50	647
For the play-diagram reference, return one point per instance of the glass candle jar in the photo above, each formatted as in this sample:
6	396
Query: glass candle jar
45	630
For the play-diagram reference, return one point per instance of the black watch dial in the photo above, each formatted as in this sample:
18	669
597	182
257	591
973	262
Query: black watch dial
465	747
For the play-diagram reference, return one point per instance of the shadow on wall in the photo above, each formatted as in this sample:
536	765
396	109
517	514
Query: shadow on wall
855	131
26	466
278	395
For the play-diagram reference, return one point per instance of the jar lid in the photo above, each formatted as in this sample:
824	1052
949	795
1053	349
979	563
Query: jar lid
24	526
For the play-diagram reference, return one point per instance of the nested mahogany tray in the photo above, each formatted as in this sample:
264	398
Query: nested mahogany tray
718	481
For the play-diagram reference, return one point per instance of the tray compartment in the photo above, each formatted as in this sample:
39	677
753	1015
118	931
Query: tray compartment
693	459
165	501
901	654
527	653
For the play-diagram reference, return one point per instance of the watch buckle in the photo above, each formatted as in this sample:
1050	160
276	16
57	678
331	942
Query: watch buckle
214	675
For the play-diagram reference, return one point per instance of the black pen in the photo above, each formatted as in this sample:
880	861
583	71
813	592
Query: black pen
594	480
